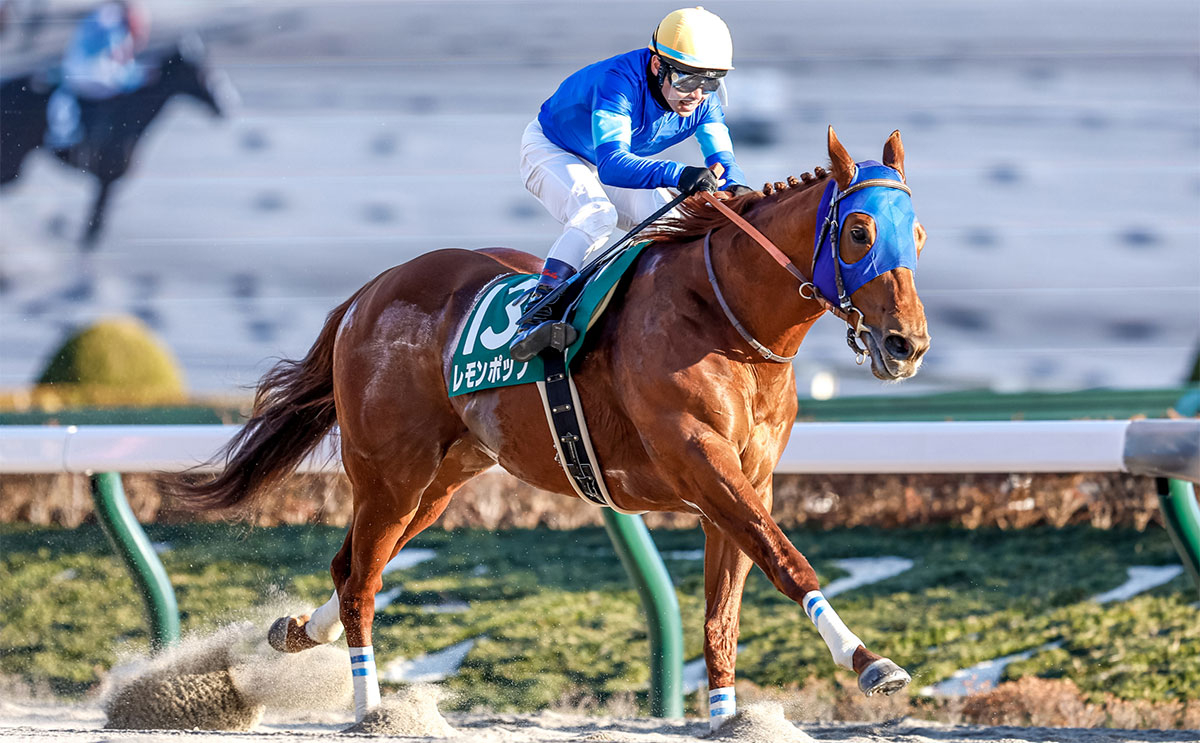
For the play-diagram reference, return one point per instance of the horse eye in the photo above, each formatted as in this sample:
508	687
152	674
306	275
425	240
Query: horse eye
858	234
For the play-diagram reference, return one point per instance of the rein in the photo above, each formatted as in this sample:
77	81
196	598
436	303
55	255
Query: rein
855	325
765	352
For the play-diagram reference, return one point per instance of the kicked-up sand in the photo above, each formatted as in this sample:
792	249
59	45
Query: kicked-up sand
231	686
224	681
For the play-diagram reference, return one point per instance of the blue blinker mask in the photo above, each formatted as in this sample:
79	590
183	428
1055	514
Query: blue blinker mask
894	247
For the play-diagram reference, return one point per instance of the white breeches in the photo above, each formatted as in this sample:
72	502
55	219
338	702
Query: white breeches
570	189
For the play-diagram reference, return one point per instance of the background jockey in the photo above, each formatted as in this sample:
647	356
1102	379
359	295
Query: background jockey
584	156
99	63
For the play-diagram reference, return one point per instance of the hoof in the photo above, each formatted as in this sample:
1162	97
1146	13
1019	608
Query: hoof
287	635
883	677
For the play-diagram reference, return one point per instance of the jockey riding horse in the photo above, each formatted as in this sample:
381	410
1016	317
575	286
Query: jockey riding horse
584	156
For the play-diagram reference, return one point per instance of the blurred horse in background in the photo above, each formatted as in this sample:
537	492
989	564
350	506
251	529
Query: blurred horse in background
112	127
686	384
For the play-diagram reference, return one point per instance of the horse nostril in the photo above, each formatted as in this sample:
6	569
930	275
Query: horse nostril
898	346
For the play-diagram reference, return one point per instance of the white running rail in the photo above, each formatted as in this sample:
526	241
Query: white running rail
1166	448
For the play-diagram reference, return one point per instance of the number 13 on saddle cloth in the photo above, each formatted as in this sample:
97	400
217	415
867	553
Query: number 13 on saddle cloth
481	359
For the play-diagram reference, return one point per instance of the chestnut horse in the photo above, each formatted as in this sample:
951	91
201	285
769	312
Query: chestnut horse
685	414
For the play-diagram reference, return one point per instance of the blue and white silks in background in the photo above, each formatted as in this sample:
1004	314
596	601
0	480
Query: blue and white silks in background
99	64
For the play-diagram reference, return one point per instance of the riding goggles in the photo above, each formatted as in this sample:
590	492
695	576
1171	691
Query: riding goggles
686	82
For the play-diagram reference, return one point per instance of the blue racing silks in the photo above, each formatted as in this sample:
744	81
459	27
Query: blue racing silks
606	113
895	245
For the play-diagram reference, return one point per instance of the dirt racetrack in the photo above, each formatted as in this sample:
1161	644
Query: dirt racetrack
41	721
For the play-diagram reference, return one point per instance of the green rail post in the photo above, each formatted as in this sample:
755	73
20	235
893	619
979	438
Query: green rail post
1181	517
132	544
645	567
1180	509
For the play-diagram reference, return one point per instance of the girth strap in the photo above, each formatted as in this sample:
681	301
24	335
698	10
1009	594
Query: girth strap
568	428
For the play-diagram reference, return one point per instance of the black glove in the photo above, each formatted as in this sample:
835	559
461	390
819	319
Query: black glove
693	180
738	189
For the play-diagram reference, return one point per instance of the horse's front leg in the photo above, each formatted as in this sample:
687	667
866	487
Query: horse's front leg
725	571
96	221
710	471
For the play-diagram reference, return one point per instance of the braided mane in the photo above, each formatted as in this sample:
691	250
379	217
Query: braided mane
697	218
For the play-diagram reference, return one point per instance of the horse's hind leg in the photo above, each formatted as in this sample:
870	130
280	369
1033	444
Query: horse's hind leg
324	625
725	571
387	515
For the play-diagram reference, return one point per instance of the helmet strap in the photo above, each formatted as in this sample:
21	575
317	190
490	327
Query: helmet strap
663	70
657	81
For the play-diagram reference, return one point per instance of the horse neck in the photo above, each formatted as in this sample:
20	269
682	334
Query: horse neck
763	295
154	95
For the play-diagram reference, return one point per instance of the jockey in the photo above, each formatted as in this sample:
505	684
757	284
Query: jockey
99	64
584	156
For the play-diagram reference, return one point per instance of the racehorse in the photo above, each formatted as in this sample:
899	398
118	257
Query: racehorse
112	127
685	414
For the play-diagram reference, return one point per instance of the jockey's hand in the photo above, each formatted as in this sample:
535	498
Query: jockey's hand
733	192
693	180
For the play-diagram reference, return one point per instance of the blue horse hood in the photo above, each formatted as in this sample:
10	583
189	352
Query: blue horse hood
895	245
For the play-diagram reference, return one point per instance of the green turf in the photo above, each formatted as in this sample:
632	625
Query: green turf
559	618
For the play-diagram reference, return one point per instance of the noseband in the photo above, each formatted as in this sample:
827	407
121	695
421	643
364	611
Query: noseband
844	309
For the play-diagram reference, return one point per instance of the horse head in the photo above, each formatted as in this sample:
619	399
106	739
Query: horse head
186	70
868	216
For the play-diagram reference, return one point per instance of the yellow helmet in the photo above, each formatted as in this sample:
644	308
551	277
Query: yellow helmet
694	38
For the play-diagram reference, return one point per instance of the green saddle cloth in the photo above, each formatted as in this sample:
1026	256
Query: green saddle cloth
481	359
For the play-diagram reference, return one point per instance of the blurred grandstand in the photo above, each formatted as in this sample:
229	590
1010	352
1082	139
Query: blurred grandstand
1053	152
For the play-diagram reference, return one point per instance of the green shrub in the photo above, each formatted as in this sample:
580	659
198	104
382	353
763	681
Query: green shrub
115	361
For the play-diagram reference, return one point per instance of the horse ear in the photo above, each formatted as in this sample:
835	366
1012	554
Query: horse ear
843	166
893	153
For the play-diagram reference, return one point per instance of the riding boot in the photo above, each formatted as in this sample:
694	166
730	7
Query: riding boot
543	329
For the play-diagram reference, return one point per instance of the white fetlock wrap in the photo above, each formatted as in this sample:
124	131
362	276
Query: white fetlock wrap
722	706
841	641
325	624
366	681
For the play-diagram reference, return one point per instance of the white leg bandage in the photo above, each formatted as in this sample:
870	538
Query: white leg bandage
841	641
366	681
722	705
325	624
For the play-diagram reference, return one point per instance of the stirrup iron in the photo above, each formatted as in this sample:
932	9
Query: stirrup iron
556	335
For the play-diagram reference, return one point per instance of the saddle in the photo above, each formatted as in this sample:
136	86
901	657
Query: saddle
481	359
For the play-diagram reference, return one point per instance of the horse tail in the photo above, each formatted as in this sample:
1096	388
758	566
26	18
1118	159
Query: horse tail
293	410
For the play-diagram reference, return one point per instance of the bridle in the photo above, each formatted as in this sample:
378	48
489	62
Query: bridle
844	309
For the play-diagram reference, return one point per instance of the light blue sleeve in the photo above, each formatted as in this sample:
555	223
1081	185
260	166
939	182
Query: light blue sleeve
612	138
609	126
713	137
717	146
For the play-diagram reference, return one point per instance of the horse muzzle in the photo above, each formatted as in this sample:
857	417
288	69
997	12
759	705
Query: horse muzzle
895	356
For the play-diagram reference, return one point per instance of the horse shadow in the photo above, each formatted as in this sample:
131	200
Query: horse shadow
112	127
